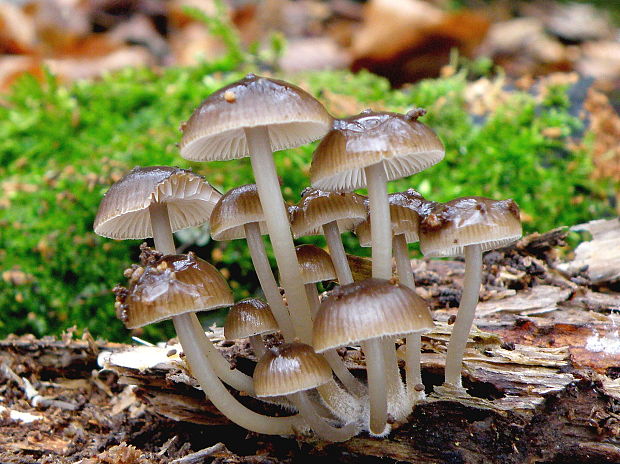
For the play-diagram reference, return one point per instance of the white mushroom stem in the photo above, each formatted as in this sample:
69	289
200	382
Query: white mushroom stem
377	385
413	360
319	425
333	358
465	315
339	402
279	229
403	265
267	280
216	392
258	346
380	224
162	232
337	253
381	242
164	243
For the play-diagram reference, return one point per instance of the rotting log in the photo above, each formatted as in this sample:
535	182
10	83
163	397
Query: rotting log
542	366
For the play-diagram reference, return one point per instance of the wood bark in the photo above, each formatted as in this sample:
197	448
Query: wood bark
542	368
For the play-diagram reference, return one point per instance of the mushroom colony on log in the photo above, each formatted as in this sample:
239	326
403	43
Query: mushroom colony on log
303	373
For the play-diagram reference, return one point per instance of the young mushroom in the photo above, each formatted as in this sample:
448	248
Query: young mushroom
316	266
250	318
368	312
254	117
293	369
172	287
239	214
467	226
329	213
368	150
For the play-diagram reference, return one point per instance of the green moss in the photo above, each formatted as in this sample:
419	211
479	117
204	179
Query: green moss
62	146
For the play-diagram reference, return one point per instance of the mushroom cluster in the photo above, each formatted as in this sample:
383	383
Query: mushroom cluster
303	373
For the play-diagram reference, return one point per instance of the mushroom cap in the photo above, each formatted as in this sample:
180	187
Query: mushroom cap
215	131
317	208
124	211
169	286
451	226
236	208
368	309
288	369
249	317
315	264
404	145
405	220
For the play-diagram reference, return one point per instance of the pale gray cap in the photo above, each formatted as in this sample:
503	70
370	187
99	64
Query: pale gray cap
215	131
124	211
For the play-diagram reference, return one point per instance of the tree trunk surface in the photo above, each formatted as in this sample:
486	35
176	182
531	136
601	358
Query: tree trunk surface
542	367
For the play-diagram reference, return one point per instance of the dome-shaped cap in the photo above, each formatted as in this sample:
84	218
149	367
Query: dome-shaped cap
168	286
290	368
215	131
318	207
236	208
249	317
401	142
368	309
124	211
315	263
468	221
405	220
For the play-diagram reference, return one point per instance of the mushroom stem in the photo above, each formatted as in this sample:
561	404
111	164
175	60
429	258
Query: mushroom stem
217	393
377	386
403	265
337	253
339	402
413	362
278	225
222	368
162	232
333	358
267	280
465	315
413	367
313	297
258	346
319	425
380	225
381	241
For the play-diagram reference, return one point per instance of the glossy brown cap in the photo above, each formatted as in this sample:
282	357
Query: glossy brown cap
215	131
405	220
318	207
249	317
168	286
451	226
404	145
371	308
290	368
237	207
124	211
315	264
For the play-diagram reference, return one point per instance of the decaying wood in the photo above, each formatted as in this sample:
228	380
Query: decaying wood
542	367
599	257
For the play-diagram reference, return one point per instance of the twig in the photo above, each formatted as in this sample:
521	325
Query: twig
41	401
198	456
